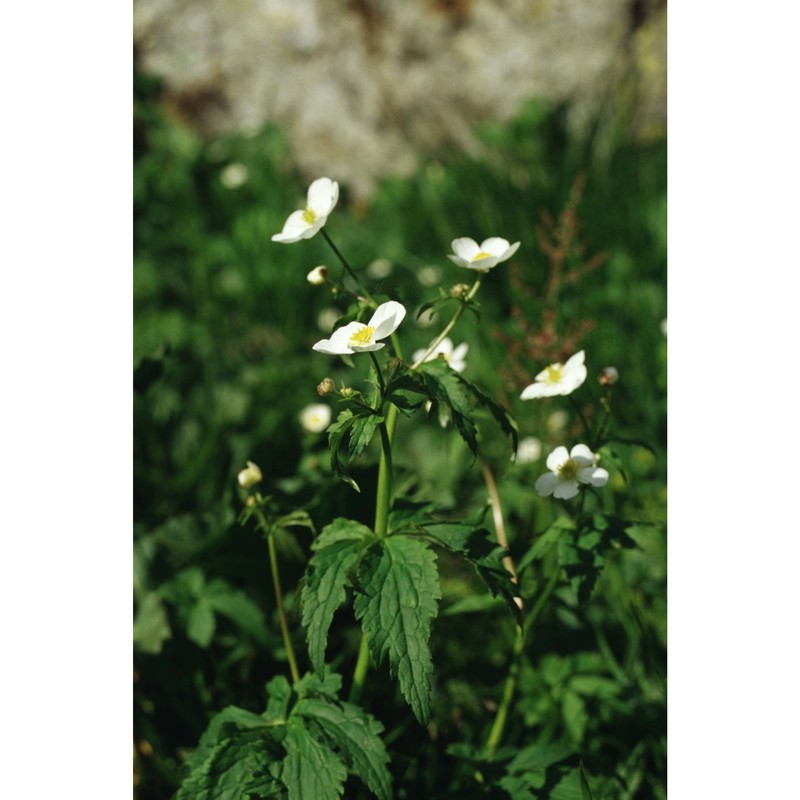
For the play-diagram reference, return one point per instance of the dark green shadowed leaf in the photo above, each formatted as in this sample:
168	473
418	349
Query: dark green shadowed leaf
397	594
586	792
310	769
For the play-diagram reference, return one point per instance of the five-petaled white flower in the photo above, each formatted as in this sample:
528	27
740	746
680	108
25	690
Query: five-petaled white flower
456	358
316	417
358	337
482	257
323	195
568	470
557	379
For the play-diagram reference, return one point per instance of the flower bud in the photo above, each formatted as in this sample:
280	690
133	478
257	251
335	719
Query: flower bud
318	275
249	476
460	290
346	391
608	376
325	387
315	418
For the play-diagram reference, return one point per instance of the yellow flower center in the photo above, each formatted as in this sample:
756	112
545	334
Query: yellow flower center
309	216
568	470
554	372
363	336
481	255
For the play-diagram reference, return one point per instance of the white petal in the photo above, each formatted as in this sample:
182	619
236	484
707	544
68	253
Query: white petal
577	359
461	262
460	352
294	229
484	264
509	252
323	195
366	348
387	318
338	344
533	391
597	476
465	248
582	454
546	484
418	355
566	489
557	458
495	245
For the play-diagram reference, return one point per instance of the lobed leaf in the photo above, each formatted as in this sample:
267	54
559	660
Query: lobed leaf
356	734
311	769
398	589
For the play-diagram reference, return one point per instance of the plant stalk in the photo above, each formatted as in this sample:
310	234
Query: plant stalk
347	266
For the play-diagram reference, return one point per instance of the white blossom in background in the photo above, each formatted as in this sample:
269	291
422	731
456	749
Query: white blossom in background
315	418
380	268
455	357
482	257
234	175
568	470
359	337
430	275
557	379
249	476
322	197
557	421
529	450
663	327
327	318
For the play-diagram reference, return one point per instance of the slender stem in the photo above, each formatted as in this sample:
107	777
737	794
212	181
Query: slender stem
380	375
499	524
360	673
498	726
276	582
347	266
438	340
580	413
601	430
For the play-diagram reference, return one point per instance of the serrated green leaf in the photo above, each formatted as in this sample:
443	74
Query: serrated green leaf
327	687
361	434
450	389
539	756
503	417
398	590
478	547
310	769
356	734
279	695
342	529
347	439
239	608
325	589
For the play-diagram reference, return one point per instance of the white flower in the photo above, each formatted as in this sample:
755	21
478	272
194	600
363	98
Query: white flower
249	476
380	268
357	337
318	275
456	358
303	224
568	470
557	421
469	254
529	450
557	379
316	417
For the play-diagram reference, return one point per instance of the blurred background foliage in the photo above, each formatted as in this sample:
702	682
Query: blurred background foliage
224	323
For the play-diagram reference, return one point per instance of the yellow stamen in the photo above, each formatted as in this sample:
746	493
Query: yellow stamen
568	470
309	216
481	255
554	373
363	336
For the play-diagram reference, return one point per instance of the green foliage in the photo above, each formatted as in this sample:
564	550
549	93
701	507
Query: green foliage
304	745
398	590
348	438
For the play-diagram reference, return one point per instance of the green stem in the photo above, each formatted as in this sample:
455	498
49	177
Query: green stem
276	582
347	266
360	673
580	413
603	427
438	340
499	724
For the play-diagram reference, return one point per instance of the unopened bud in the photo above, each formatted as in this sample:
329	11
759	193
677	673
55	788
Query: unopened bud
346	391
249	476
250	502
318	275
325	387
459	290
608	376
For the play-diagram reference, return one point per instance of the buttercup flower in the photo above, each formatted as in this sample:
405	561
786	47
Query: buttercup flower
568	470
249	476
469	254
558	379
315	418
323	195
357	337
456	358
